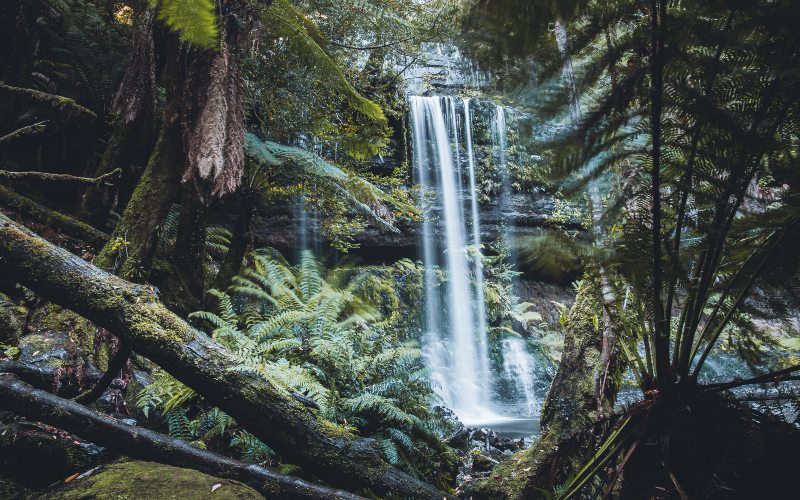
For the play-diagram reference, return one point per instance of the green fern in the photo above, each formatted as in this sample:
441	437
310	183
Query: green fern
195	20
304	36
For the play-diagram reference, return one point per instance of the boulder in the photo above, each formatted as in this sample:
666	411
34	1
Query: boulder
456	435
482	462
137	479
50	348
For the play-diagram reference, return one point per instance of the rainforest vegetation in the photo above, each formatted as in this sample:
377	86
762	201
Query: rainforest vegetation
493	249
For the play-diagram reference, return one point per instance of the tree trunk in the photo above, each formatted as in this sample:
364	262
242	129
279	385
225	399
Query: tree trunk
64	383
134	313
132	246
610	314
570	413
126	149
133	135
241	242
158	186
190	242
136	442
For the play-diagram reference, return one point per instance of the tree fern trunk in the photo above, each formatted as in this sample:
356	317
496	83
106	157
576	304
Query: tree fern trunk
241	242
133	134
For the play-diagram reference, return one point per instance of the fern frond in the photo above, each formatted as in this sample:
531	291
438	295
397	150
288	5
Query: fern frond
305	37
195	20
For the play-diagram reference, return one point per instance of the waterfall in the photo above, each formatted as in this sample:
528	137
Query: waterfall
518	366
476	241
456	340
458	358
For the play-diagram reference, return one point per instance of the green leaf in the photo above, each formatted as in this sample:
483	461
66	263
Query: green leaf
194	20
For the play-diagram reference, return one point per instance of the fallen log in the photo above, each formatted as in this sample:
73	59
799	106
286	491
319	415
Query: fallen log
51	218
135	315
22	399
63	382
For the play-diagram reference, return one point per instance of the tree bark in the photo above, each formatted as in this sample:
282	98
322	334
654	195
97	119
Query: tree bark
115	366
54	220
134	313
572	417
158	186
149	205
241	242
64	383
190	241
134	131
136	442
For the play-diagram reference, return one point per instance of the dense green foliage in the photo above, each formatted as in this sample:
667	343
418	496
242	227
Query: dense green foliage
323	339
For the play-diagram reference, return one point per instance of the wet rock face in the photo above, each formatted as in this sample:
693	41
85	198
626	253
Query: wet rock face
277	225
135	479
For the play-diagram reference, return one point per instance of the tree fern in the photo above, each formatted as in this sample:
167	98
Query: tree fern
195	20
303	35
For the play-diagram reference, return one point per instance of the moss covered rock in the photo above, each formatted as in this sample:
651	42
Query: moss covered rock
12	320
51	349
81	332
135	479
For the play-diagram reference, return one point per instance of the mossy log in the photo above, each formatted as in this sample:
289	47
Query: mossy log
136	442
52	219
60	178
134	313
62	382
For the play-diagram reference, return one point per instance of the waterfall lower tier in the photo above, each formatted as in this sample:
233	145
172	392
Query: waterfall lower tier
456	339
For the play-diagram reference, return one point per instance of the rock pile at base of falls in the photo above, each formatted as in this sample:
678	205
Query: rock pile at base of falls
480	448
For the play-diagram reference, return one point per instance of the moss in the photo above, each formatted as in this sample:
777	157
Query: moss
131	480
336	431
81	331
13	318
147	208
570	406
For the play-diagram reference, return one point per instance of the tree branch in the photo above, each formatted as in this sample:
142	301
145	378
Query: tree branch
114	367
54	220
778	376
50	177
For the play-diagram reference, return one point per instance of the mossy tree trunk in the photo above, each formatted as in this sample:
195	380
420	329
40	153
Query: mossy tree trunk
571	411
190	241
132	246
135	314
127	149
51	218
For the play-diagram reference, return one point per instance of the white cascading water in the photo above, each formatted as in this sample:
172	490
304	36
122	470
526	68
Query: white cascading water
518	366
456	330
483	343
454	358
